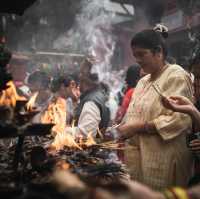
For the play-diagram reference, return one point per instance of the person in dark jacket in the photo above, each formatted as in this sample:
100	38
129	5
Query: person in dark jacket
91	113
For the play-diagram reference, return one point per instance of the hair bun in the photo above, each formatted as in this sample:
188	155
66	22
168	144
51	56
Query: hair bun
163	30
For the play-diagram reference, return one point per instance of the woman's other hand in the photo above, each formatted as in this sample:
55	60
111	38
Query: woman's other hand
128	130
195	145
178	104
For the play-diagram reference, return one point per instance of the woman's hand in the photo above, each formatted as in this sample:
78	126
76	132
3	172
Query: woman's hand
124	131
183	105
178	104
130	129
195	145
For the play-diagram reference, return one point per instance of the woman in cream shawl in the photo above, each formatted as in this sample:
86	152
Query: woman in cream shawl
156	153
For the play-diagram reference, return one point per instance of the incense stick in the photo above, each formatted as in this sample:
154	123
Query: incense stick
114	126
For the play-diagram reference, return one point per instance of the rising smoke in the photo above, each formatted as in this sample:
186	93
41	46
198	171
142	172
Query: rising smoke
92	35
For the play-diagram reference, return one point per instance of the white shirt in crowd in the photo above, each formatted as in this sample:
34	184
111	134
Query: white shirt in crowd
88	121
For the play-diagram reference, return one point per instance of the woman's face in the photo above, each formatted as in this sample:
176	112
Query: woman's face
148	60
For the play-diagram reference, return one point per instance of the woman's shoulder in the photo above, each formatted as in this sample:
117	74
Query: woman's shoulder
177	73
176	68
145	78
143	81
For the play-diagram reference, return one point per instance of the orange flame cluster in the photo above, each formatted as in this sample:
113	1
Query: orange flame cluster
66	139
9	96
56	113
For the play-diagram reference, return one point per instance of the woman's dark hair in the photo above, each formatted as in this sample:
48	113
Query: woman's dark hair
150	39
41	77
132	75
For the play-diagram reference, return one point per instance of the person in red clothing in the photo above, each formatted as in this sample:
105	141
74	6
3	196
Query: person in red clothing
132	77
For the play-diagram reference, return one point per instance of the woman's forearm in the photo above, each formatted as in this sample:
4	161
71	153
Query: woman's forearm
129	130
195	115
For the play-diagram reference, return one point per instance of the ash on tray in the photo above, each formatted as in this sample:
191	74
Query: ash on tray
37	163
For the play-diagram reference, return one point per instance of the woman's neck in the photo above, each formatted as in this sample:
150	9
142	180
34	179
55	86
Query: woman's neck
161	67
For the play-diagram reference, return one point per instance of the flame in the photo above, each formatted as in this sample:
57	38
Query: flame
90	140
9	96
56	113
31	102
68	140
65	139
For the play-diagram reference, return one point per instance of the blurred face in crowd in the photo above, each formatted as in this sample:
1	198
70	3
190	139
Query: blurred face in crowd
148	60
69	91
73	84
75	90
